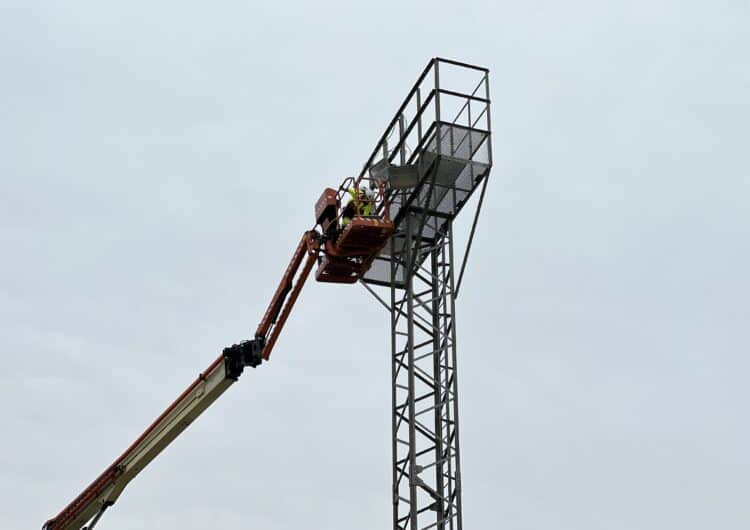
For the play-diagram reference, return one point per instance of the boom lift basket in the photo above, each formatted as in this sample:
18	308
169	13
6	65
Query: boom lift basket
351	245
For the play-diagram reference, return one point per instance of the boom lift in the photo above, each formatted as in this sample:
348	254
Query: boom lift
391	227
344	241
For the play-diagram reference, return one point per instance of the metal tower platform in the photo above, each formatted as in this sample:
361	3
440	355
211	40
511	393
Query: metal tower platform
435	153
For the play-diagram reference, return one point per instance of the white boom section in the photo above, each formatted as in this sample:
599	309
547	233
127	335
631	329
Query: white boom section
105	490
89	506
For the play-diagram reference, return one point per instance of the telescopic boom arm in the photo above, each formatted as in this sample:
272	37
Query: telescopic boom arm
89	506
344	251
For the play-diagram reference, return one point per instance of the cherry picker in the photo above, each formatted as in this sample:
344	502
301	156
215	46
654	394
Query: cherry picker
389	227
352	224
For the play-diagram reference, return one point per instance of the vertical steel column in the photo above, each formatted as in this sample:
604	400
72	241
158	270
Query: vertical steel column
411	407
437	348
449	279
394	388
426	466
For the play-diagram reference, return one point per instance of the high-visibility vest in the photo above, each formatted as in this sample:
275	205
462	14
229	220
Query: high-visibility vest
360	206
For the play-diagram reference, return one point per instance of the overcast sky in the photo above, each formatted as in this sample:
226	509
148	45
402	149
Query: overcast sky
159	160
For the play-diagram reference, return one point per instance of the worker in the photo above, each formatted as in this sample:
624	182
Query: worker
367	205
362	202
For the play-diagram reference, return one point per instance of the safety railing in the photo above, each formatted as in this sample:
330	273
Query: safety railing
442	130
447	93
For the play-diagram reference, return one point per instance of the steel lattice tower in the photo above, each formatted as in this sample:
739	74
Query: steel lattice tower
440	155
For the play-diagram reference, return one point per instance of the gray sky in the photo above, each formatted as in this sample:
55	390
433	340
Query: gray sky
159	160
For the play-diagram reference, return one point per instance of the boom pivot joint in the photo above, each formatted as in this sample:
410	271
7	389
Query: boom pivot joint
246	353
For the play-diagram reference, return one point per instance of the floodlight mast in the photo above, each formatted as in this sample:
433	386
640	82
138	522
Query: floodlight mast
391	226
439	154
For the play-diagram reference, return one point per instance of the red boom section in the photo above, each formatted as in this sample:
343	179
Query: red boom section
287	292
